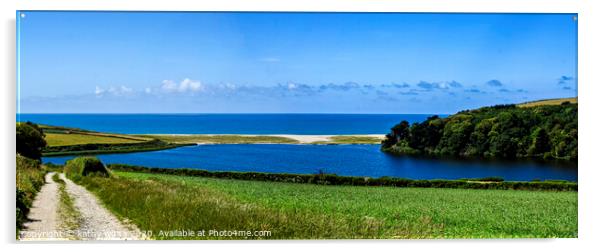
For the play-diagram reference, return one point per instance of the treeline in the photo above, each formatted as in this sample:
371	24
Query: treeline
502	131
332	179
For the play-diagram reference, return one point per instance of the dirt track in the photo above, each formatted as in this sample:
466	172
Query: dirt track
94	222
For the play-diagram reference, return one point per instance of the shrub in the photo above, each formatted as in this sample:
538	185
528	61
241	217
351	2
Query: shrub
485	179
30	140
78	167
30	178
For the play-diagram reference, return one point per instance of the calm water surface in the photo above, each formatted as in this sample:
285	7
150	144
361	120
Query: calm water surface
349	160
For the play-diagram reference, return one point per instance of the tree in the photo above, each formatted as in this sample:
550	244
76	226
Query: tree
502	145
401	131
504	131
426	135
479	142
540	142
30	140
456	135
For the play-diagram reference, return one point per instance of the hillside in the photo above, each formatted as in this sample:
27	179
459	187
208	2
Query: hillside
547	102
501	131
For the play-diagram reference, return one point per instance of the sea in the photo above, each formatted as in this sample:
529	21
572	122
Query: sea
298	124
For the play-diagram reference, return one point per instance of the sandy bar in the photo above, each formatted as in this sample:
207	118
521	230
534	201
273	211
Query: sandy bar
305	139
318	138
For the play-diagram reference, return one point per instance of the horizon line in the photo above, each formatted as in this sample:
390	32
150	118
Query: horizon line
226	113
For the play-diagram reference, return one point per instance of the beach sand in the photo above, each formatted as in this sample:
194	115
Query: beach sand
322	138
302	139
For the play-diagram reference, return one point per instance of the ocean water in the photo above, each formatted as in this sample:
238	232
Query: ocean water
302	124
349	160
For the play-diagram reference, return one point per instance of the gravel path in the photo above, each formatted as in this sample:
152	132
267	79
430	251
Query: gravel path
44	220
97	223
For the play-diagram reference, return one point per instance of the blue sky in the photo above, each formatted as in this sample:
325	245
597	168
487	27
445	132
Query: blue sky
149	62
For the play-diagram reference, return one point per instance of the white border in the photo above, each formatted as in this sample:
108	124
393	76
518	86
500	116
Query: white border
590	68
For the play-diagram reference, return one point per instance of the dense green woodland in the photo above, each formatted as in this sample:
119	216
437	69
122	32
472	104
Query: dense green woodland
30	140
501	131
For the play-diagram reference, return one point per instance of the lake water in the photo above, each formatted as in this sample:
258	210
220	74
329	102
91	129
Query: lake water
349	160
301	124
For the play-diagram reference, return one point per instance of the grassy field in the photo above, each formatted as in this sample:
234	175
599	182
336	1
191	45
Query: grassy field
63	136
548	102
71	141
60	139
222	139
300	211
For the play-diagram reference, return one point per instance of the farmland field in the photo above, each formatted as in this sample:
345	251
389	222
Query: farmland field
548	102
59	139
301	211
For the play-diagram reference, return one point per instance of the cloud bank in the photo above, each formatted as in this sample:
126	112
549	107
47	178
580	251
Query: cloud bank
193	95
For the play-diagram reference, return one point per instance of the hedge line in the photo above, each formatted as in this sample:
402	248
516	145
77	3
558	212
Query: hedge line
331	179
79	167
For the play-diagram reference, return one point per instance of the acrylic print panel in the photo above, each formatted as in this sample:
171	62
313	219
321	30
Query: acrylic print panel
275	125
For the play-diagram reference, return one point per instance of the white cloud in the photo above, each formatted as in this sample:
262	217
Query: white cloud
185	86
115	91
191	85
99	91
169	85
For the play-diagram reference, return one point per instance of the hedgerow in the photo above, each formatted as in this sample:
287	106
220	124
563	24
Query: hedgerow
332	179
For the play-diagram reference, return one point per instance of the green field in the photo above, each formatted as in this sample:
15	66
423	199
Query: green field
547	102
63	136
222	139
301	211
61	139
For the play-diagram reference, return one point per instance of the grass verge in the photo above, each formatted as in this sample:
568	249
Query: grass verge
69	215
157	202
30	179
